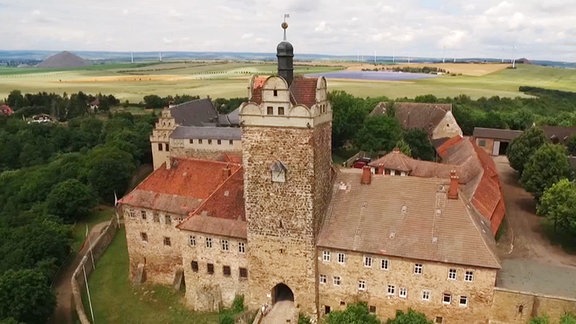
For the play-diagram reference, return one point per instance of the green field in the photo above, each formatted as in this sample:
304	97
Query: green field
115	300
230	79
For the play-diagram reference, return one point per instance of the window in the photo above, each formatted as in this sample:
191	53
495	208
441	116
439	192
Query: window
167	241
336	280
210	268
243	272
384	264
224	244
469	276
226	271
361	284
143	214
372	309
199	141
156	217
326	309
167	219
452	274
144	236
322	279
342	303
194	266
425	294
463	301
192	240
341	258
209	141
167	147
275	93
159	146
446	298
241	247
191	141
403	292
219	142
481	142
326	256
391	289
418	268
270	110
231	142
281	111
132	213
439	320
367	261
208	242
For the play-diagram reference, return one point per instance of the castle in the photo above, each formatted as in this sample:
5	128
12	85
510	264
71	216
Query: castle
257	209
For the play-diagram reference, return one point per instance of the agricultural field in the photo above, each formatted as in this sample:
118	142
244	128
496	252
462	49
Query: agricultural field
229	79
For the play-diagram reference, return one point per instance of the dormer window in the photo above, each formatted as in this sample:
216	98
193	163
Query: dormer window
278	172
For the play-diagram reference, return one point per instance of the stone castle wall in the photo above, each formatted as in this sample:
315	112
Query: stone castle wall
400	274
512	307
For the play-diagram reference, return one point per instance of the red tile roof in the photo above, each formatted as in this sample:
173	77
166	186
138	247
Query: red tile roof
302	90
257	85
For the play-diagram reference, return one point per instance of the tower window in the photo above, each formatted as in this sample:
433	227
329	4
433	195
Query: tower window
210	268
281	111
226	271
270	110
194	266
243	272
167	147
275	93
144	236
219	142
159	146
167	241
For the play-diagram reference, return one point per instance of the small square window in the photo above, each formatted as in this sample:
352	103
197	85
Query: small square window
469	276
391	289
384	264
452	274
326	256
132	213
209	141
361	284
425	294
208	242
482	142
226	271
143	214
168	219
144	236
367	261
463	301
192	240
210	268
326	309
224	244
336	280
270	110
372	309
403	292
322	279
275	93
241	247
439	320
167	241
243	272
219	142
156	217
191	141
418	268
342	303
446	298
231	142
199	141
281	111
194	266
159	146
341	258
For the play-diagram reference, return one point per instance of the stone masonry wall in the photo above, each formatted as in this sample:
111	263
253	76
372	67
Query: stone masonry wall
400	274
512	307
161	260
281	216
210	292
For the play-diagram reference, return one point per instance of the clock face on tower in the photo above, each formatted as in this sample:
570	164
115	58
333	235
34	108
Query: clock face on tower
278	172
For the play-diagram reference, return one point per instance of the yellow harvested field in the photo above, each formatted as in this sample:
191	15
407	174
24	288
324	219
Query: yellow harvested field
471	69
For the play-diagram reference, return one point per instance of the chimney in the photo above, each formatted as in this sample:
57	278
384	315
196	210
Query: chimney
453	190
226	172
366	175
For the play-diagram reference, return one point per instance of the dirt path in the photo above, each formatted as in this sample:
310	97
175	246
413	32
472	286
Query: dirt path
524	230
281	312
64	306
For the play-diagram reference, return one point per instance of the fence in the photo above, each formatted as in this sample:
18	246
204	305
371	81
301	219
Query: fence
82	272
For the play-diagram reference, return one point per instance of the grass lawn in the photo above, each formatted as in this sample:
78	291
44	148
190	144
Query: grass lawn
116	301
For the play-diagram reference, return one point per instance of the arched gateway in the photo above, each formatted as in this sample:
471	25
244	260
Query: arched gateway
282	292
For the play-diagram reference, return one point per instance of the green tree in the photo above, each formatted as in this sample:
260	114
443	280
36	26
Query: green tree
16	100
353	314
378	133
419	143
404	147
571	145
25	296
109	170
410	317
71	200
521	149
349	113
558	204
545	167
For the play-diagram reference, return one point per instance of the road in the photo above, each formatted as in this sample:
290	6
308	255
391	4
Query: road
282	312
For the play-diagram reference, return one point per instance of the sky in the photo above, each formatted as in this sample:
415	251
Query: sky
535	29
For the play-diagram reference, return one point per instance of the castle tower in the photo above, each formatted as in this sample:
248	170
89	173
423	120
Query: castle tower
286	138
160	139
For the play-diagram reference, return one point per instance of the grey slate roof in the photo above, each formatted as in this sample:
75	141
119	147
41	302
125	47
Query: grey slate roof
397	216
207	132
194	113
495	133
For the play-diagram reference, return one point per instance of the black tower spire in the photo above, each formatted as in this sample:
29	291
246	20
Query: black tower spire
285	53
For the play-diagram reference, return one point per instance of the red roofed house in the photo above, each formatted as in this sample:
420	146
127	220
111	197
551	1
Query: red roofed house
280	226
